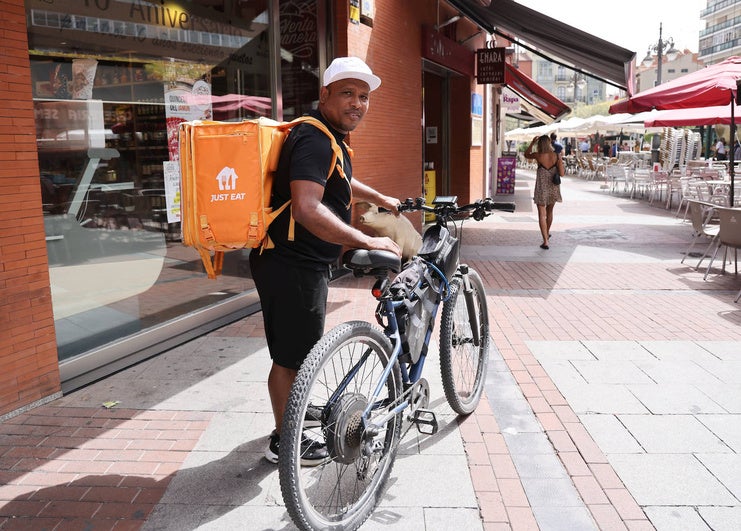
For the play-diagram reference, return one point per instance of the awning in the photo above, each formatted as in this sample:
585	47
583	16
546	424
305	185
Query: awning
586	53
695	116
539	101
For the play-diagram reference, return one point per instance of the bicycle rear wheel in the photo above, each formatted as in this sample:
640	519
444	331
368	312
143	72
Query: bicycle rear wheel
334	384
464	354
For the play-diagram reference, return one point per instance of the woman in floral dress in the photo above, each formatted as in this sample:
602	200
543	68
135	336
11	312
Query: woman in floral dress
546	194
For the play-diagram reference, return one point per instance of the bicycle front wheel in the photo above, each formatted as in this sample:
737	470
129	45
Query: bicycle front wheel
464	344
332	390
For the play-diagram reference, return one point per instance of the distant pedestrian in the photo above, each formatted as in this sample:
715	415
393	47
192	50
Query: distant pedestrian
720	149
557	146
546	193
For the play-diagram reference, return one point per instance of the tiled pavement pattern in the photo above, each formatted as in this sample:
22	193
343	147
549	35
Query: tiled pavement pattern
613	402
90	468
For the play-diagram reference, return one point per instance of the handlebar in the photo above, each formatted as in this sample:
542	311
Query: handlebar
444	207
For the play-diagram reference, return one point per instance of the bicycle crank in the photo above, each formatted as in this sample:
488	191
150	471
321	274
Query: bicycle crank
419	400
419	396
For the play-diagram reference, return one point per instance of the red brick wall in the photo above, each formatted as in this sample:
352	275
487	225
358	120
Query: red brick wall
388	143
29	370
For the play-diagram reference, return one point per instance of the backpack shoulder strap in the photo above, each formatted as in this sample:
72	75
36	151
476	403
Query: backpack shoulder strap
336	162
337	158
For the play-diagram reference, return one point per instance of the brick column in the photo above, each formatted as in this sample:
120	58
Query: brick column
29	369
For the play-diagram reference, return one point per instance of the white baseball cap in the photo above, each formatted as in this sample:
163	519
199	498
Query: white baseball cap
350	68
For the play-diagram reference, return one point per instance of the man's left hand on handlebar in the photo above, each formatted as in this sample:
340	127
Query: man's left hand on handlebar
391	204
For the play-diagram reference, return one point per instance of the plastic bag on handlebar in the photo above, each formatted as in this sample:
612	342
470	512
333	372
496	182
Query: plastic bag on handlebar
441	248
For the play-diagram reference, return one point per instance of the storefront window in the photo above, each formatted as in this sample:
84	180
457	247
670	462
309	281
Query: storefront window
112	80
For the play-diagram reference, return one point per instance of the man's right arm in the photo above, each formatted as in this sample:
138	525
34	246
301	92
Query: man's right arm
308	210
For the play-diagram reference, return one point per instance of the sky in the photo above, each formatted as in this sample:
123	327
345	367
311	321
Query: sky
632	24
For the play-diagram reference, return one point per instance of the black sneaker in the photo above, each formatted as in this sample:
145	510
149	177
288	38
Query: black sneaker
271	452
313	417
313	453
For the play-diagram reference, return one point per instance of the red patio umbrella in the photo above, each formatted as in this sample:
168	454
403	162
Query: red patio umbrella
711	86
718	114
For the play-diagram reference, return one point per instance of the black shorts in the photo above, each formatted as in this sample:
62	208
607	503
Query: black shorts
294	306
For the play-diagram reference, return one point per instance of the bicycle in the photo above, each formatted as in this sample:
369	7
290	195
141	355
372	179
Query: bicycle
355	384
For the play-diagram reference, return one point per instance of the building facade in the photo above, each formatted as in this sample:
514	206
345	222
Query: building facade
94	276
721	37
672	67
568	85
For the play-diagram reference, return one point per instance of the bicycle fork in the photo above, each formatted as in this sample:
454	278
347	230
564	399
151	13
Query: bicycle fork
473	314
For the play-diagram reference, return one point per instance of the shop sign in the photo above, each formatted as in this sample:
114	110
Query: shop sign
510	101
164	28
446	52
490	66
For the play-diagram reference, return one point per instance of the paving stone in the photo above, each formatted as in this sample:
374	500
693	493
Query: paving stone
669	479
527	443
564	519
446	518
550	492
674	372
610	434
611	372
721	518
726	468
618	350
559	350
725	350
673	399
726	370
726	427
229	430
672	434
539	466
563	373
677	350
675	519
727	396
222	478
514	416
396	519
602	398
431	481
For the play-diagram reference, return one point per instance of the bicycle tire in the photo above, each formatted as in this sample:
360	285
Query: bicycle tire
343	492
462	363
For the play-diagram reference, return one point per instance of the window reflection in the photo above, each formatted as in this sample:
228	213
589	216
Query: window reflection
112	80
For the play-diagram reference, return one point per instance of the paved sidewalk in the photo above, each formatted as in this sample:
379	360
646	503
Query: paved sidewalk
613	401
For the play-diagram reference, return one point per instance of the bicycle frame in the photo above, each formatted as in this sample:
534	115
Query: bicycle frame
367	378
387	312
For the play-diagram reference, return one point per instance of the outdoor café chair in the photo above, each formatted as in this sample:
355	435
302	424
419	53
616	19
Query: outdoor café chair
729	236
700	214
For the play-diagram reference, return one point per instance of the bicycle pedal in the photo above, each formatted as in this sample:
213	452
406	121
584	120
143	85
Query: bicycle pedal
426	421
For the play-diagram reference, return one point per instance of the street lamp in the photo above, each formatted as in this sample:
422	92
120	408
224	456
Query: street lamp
578	83
658	49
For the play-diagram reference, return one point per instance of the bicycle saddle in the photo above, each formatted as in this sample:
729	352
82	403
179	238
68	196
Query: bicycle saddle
371	262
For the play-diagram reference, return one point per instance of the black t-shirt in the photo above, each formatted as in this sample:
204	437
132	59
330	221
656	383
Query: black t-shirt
306	155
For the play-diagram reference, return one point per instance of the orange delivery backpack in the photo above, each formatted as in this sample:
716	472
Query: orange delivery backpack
227	171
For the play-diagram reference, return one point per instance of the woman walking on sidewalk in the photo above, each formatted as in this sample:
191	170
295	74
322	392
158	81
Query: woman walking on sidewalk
547	193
